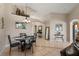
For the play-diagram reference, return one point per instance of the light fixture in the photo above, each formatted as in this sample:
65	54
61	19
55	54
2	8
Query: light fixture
27	20
76	26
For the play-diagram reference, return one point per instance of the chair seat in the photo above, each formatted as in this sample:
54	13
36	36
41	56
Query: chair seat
33	41
28	46
15	44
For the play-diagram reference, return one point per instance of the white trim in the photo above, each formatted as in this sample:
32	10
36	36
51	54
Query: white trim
71	35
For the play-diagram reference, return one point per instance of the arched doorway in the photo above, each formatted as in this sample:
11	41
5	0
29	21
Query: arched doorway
74	29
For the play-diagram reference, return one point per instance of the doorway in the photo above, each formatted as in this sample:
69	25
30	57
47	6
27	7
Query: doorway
76	34
40	31
74	30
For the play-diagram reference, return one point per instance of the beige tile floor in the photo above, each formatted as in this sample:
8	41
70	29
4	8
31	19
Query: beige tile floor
43	48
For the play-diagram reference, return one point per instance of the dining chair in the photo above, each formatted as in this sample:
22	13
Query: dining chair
28	45
33	38
12	44
23	35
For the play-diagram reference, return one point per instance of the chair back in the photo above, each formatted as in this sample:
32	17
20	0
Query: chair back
33	39
35	35
23	34
9	38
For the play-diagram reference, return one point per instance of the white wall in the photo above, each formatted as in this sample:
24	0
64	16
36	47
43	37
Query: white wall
73	16
60	19
11	28
75	13
2	31
52	29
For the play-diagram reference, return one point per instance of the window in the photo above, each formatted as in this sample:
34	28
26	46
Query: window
20	25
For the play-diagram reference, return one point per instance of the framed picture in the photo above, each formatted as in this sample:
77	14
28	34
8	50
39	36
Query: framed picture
40	28
20	25
2	23
58	27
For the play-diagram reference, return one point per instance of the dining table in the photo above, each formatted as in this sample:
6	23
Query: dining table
22	40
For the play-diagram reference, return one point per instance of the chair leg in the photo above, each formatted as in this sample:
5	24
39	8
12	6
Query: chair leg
25	51
18	48
35	44
10	51
32	49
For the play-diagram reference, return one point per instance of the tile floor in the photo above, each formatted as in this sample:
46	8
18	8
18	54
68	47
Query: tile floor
43	48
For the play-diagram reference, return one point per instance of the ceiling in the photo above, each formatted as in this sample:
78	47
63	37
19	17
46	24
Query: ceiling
45	8
42	10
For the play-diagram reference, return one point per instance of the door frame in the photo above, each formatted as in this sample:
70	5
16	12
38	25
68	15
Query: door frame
72	30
